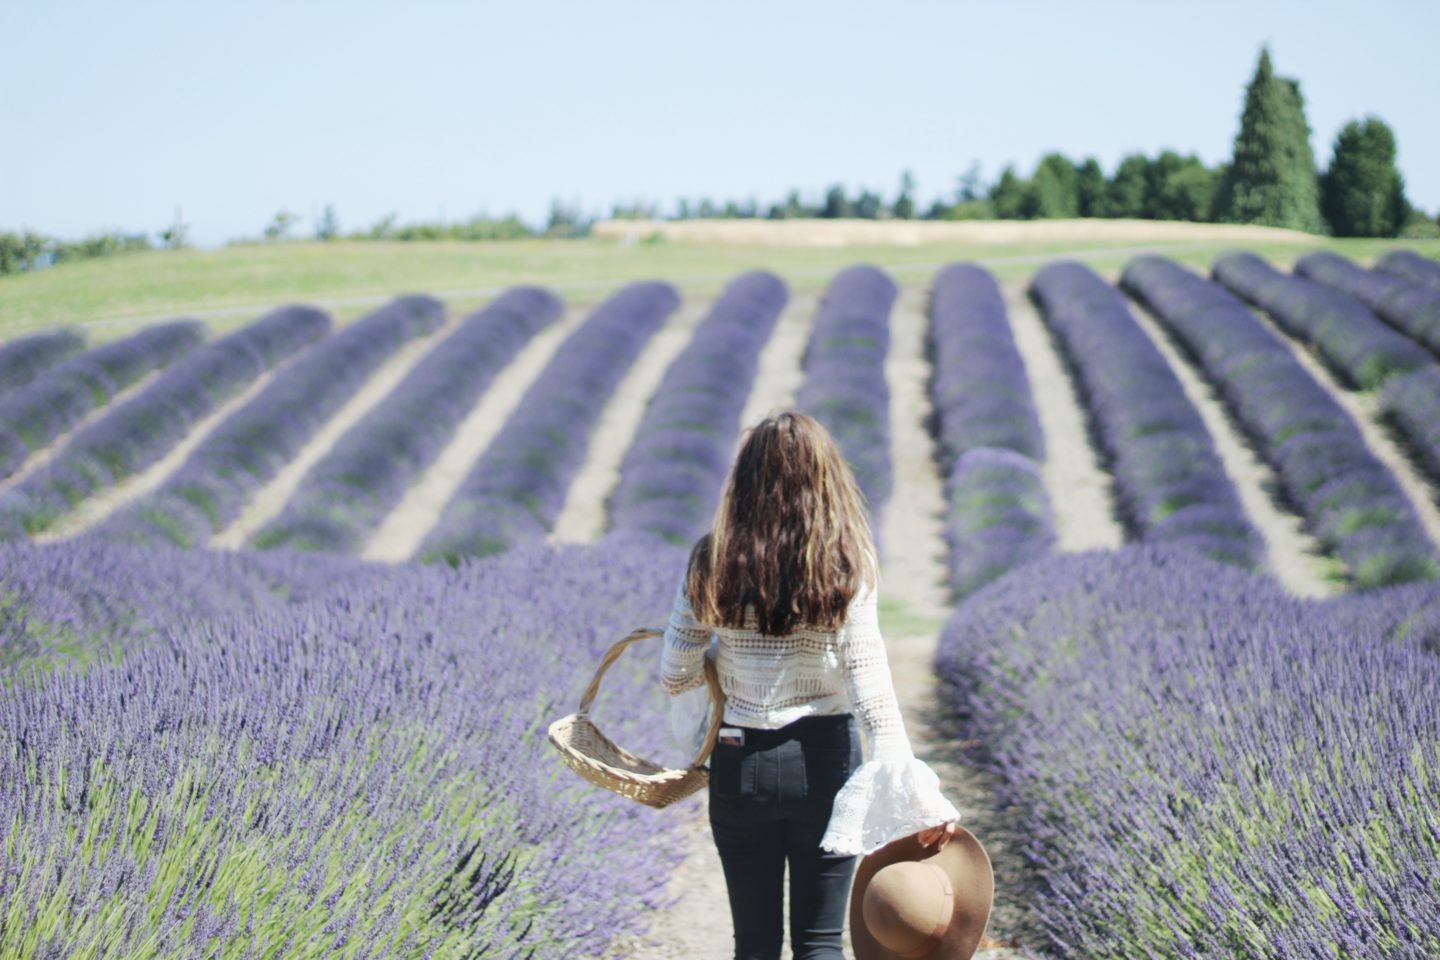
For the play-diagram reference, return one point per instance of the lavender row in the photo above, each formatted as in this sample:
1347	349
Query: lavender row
1349	499
998	516
371	759
978	385
32	417
1408	307
1352	340
1170	482
242	454
1203	766
671	476
24	359
141	430
1409	265
987	431
1411	402
517	488
350	490
845	386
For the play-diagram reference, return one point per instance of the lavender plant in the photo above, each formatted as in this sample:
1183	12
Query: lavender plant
24	359
987	432
671	476
998	517
1352	340
141	430
517	487
1413	309
212	486
1412	403
349	491
361	773
1170	482
1203	766
1349	499
1409	265
978	385
844	386
33	416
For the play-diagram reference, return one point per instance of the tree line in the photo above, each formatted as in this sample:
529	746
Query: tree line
1271	179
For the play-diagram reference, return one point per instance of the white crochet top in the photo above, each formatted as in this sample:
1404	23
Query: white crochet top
771	681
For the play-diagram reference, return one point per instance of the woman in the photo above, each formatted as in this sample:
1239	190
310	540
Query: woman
786	582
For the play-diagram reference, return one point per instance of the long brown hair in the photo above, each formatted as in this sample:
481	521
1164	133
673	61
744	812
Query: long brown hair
791	540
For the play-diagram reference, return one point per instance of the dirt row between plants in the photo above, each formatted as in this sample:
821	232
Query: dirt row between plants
1081	493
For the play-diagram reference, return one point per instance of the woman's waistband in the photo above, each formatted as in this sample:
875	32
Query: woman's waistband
814	723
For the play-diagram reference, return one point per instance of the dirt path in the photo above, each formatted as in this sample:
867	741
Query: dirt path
96	508
271	498
1295	558
1080	491
779	374
399	535
1364	409
584	517
41	457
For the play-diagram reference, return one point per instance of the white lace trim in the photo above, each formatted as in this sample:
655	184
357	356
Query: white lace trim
883	801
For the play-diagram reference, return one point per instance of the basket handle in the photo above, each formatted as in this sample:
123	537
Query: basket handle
712	679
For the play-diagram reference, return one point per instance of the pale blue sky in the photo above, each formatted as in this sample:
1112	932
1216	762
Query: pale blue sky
112	113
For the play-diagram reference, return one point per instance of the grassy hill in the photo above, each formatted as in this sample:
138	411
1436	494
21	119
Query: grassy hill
233	284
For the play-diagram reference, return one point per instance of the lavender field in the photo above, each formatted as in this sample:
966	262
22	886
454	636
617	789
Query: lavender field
1218	739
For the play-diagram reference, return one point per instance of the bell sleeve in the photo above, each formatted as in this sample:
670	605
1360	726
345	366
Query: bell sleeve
682	671
893	793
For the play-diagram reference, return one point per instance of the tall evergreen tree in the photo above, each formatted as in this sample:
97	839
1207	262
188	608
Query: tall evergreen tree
1363	194
1272	179
904	208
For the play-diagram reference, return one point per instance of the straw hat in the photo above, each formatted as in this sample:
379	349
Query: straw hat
911	902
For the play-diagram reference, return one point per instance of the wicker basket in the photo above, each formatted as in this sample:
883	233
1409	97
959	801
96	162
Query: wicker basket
592	754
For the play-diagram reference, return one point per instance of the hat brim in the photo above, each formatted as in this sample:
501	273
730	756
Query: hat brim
966	863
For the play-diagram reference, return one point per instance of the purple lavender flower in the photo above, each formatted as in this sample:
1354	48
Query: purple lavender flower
212	486
25	358
1411	308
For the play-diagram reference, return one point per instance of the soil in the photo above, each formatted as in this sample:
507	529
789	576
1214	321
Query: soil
1081	492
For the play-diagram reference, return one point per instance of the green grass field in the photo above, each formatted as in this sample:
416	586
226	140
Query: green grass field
234	284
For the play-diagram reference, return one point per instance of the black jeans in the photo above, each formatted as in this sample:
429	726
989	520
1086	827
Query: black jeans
770	801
